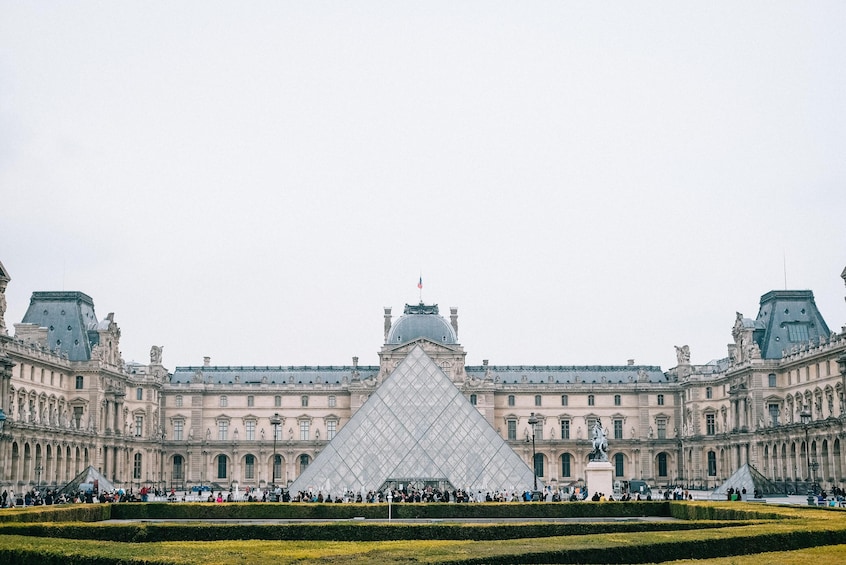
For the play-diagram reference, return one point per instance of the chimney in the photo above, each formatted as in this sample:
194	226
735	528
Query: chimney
453	319
630	362
206	361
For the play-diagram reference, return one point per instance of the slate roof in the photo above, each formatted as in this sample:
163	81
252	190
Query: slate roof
421	320
787	318
272	374
70	321
571	374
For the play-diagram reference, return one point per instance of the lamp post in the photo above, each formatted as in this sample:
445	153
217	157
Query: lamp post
534	422
805	415
275	420
38	469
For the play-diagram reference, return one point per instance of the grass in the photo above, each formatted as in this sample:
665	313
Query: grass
794	530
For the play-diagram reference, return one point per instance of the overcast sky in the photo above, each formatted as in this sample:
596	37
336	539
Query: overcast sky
587	182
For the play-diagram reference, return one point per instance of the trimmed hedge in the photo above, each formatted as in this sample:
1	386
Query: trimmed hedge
63	513
422	511
340	531
675	550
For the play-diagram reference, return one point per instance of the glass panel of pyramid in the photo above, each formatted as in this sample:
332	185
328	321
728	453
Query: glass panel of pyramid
416	426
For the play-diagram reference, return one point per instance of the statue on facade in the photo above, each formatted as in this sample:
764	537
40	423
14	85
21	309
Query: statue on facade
3	283
683	355
156	355
600	442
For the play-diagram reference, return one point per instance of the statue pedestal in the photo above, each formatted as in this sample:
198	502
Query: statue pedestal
599	476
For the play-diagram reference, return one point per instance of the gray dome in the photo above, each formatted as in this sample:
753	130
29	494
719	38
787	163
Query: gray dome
421	321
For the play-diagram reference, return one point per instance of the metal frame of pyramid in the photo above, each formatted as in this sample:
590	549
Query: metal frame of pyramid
418	425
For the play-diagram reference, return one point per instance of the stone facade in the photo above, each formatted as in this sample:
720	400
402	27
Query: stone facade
70	400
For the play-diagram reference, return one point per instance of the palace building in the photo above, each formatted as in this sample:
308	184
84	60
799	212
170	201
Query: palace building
69	400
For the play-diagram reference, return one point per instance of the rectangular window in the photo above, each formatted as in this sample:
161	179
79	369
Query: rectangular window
511	400
565	430
277	401
79	382
709	392
618	400
473	399
139	394
224	402
331	429
304	430
177	429
537	400
250	429
539	431
618	429
774	414
565	465
332	402
771	380
77	416
304	401
139	425
660	400
251	401
512	429
710	424
136	467
662	428
277	431
178	401
591	400
222	430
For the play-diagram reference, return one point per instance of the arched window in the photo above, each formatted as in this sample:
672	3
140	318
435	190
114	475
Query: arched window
619	469
511	400
277	466
712	464
221	466
591	400
539	464
564	400
178	473
565	465
249	467
136	467
662	464
537	400
618	400
305	460
660	400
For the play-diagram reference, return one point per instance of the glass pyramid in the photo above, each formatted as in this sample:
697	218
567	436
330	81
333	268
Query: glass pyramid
416	427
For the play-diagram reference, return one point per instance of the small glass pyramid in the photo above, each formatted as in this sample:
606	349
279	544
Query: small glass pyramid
416	427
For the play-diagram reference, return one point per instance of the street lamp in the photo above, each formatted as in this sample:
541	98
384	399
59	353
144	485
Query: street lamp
814	466
38	469
805	415
534	422
275	420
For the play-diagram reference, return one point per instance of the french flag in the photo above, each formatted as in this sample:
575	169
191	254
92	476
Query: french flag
420	283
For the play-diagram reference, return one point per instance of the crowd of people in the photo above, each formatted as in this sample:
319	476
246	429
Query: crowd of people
36	497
